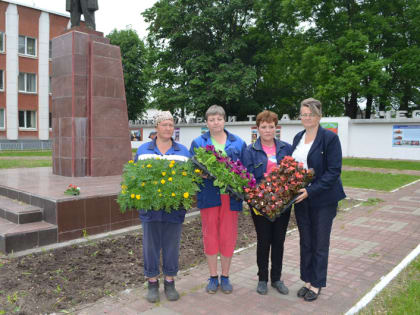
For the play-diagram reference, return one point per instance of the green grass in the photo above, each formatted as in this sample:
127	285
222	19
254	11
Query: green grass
391	164
377	181
401	296
24	163
26	153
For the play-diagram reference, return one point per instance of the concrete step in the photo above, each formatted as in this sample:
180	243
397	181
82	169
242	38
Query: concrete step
17	237
19	212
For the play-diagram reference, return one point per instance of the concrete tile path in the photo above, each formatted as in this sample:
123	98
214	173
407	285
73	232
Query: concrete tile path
367	242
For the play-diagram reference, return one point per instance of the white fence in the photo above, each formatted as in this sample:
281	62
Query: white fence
364	138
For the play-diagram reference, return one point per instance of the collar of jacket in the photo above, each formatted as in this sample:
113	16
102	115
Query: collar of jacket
258	146
230	136
317	141
153	145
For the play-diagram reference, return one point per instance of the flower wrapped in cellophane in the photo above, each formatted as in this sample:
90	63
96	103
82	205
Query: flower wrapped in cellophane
230	176
279	189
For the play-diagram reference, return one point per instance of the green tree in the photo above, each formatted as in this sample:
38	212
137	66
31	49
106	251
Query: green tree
134	57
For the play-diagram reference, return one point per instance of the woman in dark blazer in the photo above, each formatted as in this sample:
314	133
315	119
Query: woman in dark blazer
316	207
260	158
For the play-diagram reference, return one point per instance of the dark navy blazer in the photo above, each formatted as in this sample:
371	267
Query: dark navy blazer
255	159
325	158
209	195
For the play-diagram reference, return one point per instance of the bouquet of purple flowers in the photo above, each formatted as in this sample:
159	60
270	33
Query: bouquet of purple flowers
231	176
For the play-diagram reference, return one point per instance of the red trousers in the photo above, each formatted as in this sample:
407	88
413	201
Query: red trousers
220	228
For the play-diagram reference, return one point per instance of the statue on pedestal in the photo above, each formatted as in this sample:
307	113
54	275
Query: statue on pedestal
85	7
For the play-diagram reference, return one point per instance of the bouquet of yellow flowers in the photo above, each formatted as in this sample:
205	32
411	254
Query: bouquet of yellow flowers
156	183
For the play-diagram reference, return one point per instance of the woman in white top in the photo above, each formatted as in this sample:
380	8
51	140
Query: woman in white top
316	207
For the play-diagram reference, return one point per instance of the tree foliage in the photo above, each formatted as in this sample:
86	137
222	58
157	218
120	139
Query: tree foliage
249	55
135	68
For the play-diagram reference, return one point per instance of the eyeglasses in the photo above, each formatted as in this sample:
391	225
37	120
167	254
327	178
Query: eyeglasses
311	115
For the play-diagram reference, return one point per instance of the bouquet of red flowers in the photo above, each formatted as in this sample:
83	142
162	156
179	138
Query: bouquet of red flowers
279	189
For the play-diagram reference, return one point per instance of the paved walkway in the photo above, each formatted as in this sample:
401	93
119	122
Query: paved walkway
367	242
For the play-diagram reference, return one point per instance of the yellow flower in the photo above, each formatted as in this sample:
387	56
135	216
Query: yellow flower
184	173
123	186
170	179
173	172
173	194
138	197
162	181
142	184
155	182
135	164
142	166
197	170
163	173
160	195
123	192
186	195
149	165
133	196
159	190
131	161
172	162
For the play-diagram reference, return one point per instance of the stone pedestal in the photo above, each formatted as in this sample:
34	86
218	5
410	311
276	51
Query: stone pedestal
89	112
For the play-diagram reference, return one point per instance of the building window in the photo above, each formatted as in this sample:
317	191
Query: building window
1	80
27	82
50	50
27	119
27	46
2	118
1	42
50	120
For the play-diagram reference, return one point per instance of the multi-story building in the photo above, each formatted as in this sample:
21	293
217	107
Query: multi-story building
25	70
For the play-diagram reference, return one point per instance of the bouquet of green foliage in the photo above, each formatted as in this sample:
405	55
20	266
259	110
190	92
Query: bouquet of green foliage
231	176
157	183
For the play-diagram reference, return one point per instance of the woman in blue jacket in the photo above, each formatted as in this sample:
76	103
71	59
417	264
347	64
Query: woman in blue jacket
219	211
316	207
260	158
162	230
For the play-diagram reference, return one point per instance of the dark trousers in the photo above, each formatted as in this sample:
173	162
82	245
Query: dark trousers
314	226
270	234
157	237
79	7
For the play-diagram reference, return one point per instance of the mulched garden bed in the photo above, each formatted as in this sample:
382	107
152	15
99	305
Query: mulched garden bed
60	279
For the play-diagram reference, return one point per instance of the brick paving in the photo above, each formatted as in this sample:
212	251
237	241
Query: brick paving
367	242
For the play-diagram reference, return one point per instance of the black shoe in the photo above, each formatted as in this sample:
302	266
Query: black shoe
262	287
311	295
170	291
153	292
302	292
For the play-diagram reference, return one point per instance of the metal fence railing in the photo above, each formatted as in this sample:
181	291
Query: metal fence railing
26	145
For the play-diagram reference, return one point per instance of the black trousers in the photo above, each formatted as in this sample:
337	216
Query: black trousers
270	235
314	224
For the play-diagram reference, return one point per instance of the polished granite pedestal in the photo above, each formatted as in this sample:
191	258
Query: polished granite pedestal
61	217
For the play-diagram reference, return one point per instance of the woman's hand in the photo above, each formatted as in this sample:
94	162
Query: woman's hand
303	195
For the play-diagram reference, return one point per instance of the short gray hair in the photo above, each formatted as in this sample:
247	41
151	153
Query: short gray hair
314	106
215	110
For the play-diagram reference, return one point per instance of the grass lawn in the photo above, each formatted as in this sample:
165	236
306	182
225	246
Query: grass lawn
24	163
26	153
401	296
377	181
391	164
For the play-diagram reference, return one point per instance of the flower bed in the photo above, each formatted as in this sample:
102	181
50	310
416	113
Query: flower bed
230	176
156	183
279	189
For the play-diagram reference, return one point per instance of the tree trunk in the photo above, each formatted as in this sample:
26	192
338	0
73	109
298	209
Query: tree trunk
369	101
351	107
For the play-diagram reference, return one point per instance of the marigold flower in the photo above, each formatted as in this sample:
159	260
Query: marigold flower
163	173
171	165
132	196
159	190
155	182
184	173
170	179
142	184
186	195
149	165
123	192
173	172
173	195
131	161
197	170
162	181
123	186
160	195
138	197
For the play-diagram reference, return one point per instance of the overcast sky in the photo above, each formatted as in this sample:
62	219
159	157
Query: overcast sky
111	14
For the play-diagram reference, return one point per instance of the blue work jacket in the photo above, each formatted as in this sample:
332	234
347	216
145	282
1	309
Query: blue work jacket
325	157
255	158
209	195
176	216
